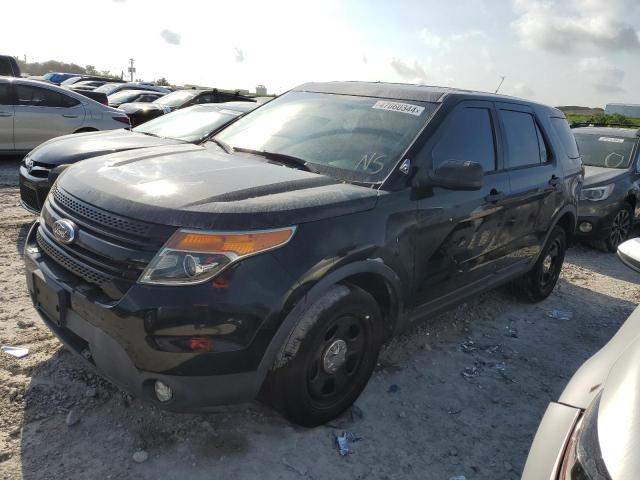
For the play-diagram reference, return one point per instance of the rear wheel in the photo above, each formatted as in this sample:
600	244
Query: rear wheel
328	359
538	283
620	228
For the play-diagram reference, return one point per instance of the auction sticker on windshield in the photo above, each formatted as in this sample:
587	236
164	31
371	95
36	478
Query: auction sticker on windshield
399	107
611	140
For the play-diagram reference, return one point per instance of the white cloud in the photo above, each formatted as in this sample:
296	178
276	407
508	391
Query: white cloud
410	70
239	55
519	89
601	74
574	25
449	41
171	37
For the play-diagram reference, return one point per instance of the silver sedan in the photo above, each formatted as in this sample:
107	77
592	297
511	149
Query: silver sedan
32	112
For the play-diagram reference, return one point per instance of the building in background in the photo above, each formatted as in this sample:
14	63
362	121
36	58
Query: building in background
261	90
626	109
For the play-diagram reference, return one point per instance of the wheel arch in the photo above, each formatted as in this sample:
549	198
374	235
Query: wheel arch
86	129
372	276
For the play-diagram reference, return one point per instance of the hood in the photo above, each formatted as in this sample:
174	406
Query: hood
190	186
618	414
600	175
80	146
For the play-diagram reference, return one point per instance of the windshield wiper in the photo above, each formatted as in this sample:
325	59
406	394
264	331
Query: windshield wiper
278	157
223	145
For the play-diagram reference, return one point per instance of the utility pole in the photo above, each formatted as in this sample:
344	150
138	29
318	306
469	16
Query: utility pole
132	69
500	84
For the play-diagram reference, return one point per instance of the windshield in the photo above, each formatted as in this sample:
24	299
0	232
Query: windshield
190	124
605	151
107	88
123	96
348	137
176	99
70	80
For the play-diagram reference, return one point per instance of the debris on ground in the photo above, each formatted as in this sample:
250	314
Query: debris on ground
17	352
73	417
393	388
458	477
560	314
342	441
140	456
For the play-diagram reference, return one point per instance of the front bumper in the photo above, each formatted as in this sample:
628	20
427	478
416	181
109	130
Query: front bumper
547	451
599	215
33	190
114	337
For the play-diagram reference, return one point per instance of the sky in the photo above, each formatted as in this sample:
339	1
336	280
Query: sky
560	52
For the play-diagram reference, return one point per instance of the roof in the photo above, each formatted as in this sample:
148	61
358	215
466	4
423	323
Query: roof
405	91
621	132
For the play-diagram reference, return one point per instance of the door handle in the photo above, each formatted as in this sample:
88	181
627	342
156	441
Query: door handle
554	181
6	114
68	115
494	196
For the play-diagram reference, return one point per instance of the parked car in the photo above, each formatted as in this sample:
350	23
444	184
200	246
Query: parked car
32	112
278	260
89	78
88	85
9	66
54	77
114	87
126	96
194	125
610	193
592	431
142	112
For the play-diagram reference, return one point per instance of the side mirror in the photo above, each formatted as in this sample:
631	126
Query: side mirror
629	253
451	174
55	173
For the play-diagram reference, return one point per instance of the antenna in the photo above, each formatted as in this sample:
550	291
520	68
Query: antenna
500	84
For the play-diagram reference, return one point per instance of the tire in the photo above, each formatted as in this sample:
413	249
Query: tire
539	282
328	359
621	225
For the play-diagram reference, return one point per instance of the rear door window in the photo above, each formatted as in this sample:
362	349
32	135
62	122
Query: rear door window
4	94
469	136
562	129
524	141
42	97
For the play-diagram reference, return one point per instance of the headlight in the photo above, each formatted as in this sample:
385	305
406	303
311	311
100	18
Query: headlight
596	193
193	256
583	457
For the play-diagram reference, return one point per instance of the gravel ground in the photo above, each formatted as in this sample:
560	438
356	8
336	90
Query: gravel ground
461	394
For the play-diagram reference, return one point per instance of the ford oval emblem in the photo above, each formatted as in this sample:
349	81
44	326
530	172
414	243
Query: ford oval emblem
65	231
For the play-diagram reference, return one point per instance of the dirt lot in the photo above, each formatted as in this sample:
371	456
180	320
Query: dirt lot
434	423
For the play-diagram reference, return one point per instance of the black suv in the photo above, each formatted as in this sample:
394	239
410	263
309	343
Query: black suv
276	262
610	194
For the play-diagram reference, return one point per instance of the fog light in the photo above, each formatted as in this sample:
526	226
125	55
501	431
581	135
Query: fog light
585	227
163	391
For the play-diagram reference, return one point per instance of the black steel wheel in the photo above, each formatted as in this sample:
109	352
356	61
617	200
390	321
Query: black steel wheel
328	358
540	281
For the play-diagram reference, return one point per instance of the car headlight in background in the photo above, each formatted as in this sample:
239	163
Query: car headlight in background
596	193
193	256
583	457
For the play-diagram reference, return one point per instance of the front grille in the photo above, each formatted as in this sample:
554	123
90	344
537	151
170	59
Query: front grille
109	250
106	219
71	263
30	197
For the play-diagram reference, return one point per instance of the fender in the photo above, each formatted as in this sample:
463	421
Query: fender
566	209
374	266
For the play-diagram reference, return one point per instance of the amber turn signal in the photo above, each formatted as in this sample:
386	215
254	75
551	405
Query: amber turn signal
240	244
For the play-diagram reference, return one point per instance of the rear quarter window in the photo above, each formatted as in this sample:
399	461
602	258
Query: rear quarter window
562	129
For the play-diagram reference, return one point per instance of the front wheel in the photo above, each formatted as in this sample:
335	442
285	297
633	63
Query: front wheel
537	284
620	228
328	359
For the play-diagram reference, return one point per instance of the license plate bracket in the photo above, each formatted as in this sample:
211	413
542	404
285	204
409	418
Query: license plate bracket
52	299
